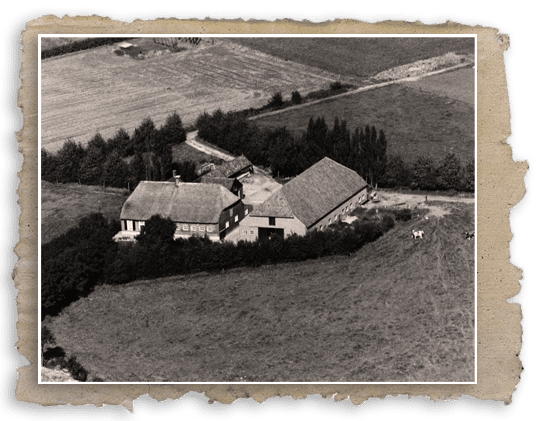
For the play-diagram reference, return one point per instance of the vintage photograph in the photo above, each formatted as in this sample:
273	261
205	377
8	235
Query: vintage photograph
290	209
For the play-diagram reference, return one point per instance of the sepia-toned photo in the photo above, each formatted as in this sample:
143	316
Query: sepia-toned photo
257	209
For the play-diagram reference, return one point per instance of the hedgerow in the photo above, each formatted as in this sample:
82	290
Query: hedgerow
84	44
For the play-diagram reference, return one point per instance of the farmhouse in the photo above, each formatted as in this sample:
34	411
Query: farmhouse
198	209
237	168
231	184
313	200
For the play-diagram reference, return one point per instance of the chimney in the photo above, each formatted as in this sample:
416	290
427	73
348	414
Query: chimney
177	178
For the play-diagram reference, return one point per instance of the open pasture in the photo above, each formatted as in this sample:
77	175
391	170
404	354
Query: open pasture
357	57
98	91
397	310
63	205
415	122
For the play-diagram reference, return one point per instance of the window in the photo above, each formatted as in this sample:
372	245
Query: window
236	218
227	225
231	212
142	223
129	225
193	227
272	220
202	228
244	232
252	232
185	227
209	228
246	211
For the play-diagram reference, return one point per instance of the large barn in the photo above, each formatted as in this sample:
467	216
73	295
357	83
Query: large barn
313	200
198	209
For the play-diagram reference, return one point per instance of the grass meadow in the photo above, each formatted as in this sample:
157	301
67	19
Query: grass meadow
357	57
397	310
415	121
63	205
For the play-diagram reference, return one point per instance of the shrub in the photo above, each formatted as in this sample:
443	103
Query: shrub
403	214
296	97
335	86
387	223
276	100
78	372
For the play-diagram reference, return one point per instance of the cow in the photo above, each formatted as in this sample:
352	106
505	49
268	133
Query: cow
417	234
469	235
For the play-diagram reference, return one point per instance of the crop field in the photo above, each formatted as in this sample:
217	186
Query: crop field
98	91
397	310
414	120
357	57
63	205
458	85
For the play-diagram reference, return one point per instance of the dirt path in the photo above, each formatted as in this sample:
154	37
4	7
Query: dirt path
418	201
191	141
362	89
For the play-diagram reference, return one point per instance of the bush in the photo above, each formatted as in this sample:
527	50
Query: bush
335	86
296	98
276	101
387	223
403	214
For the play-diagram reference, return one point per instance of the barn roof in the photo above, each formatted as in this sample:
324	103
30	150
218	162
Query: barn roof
227	183
189	202
230	168
314	193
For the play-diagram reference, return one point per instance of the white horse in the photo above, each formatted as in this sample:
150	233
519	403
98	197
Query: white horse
417	234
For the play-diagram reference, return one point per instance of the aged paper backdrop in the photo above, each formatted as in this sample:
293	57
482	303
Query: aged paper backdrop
499	384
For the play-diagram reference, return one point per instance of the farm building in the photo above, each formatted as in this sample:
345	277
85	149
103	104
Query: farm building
198	209
313	200
231	184
237	168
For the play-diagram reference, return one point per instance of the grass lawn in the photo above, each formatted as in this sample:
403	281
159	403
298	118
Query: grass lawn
63	205
397	310
357	57
415	122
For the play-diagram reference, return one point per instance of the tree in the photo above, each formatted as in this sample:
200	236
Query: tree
137	170
296	98
91	167
424	173
115	171
121	142
450	173
157	231
276	101
172	131
49	164
143	136
397	173
69	159
469	177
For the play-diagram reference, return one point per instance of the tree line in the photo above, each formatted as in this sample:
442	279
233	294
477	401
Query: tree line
123	160
363	150
84	44
86	256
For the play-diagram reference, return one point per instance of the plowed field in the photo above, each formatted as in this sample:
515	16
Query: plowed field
96	90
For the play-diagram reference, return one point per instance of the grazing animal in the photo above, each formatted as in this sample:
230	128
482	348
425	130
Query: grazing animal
417	234
469	235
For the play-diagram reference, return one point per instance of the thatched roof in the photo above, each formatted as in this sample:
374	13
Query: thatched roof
187	202
230	168
314	193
